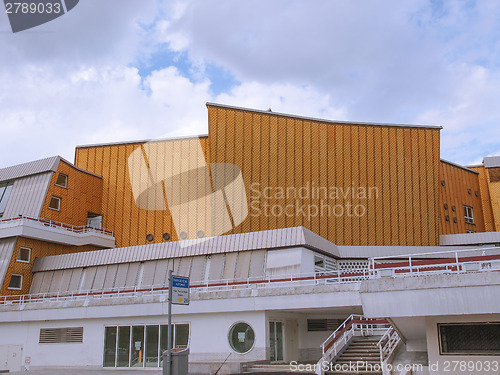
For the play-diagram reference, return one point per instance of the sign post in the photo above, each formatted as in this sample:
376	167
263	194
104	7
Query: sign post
178	293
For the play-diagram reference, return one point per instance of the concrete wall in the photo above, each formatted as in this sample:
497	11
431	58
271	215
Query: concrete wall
443	364
208	339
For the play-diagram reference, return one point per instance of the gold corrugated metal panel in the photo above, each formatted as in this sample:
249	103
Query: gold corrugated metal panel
455	194
375	171
415	182
494	188
120	212
83	194
291	152
331	181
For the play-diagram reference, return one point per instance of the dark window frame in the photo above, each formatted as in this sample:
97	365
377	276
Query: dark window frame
20	282
468	352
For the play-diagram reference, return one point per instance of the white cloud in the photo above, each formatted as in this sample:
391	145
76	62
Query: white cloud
73	80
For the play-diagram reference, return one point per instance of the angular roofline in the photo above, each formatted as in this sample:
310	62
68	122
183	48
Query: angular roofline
78	168
208	104
491	161
267	239
459	166
142	141
35	167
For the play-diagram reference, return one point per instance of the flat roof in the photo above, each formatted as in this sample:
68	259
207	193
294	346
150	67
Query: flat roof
323	120
267	239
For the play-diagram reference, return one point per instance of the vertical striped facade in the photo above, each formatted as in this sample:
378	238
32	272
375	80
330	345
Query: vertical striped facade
280	151
389	172
131	224
489	182
459	187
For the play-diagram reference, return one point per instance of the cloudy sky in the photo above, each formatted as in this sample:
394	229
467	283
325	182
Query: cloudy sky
117	70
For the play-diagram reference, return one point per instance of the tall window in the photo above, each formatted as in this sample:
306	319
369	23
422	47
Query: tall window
141	346
5	189
469	218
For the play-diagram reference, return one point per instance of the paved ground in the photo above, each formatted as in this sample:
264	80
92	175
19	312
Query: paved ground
89	372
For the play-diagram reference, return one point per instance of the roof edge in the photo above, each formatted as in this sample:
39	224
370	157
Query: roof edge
141	141
61	159
435	127
459	166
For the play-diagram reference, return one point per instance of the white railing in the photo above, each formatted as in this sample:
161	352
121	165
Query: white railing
387	345
56	224
353	326
452	261
277	281
409	265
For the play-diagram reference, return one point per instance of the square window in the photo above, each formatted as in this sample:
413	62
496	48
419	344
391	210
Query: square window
62	180
16	282
55	203
24	255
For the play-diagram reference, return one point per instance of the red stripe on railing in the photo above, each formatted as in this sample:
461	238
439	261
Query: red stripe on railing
430	262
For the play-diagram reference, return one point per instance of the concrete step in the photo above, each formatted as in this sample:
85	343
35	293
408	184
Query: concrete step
361	352
353	373
275	369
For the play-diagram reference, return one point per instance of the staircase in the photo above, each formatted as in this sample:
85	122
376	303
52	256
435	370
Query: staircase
362	356
358	346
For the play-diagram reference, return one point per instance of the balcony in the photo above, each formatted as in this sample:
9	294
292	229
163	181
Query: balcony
54	231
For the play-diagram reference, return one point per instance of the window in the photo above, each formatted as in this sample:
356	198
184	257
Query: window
141	345
16	282
94	220
24	255
471	339
469	218
241	337
55	203
62	180
5	189
323	324
61	335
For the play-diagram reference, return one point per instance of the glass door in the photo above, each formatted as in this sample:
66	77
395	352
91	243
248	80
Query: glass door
276	341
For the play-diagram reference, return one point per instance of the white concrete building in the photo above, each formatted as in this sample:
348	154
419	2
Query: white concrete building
262	297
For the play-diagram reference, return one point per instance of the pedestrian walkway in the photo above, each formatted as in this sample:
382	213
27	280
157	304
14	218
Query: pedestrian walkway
89	372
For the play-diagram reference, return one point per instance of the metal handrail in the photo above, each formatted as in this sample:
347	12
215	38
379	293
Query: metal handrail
58	224
388	344
413	264
481	263
217	285
354	325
